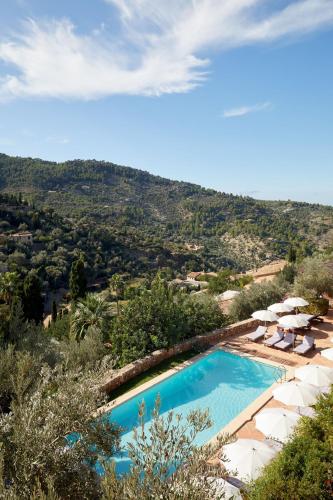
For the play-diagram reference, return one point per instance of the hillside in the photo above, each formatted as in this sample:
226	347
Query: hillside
56	241
139	209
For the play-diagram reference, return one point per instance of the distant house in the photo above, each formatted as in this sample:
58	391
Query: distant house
193	276
24	237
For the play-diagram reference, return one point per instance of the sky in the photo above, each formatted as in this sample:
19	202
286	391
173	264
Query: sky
235	95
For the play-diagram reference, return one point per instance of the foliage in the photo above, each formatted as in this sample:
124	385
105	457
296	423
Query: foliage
287	274
160	318
317	306
18	374
41	407
244	280
54	311
90	312
33	304
291	255
227	280
77	280
158	451
60	329
314	278
258	296
202	315
8	285
88	353
34	435
117	286
303	469
221	282
17	324
174	225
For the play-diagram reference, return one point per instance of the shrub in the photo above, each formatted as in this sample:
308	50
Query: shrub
317	306
221	282
45	406
258	296
60	328
287	274
168	443
314	279
159	318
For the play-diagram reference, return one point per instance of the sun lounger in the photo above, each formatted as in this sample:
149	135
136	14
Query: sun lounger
274	339
258	334
312	317
288	341
305	346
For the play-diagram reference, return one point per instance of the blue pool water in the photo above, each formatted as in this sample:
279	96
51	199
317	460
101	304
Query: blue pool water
223	382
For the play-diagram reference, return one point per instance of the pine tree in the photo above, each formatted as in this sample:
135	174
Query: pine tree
54	311
77	280
33	306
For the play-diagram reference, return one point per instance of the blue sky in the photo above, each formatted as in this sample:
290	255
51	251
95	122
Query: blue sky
235	95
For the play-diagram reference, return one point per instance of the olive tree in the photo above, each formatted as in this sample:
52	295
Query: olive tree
314	278
48	437
166	462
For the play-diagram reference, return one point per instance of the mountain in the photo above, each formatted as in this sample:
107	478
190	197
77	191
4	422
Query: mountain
208	228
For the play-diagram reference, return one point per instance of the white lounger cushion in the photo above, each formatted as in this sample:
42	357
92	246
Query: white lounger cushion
277	337
288	341
305	346
258	333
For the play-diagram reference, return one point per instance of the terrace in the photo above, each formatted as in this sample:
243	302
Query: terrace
235	340
243	426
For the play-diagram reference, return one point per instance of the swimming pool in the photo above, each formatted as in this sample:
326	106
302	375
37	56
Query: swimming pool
221	381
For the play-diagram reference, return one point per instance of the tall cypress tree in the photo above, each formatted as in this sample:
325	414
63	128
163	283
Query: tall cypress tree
54	311
292	254
77	280
33	304
17	322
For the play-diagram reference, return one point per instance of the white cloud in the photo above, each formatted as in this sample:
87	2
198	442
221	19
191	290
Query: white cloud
245	110
162	46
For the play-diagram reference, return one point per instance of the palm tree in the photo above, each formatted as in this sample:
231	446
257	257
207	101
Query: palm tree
92	311
117	286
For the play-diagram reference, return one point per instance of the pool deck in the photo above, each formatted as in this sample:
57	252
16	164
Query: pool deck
243	426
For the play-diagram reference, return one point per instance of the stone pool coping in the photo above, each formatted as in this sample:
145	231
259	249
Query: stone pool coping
235	424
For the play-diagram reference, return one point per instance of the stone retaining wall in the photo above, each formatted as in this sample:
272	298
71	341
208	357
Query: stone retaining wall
119	377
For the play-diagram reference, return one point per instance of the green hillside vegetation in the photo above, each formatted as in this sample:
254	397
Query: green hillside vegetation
160	222
58	241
